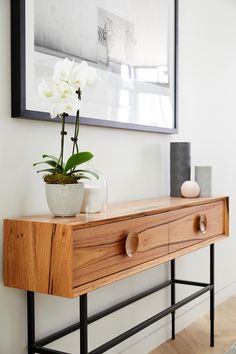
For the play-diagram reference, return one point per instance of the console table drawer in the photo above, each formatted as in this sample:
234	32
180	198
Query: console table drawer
196	224
101	250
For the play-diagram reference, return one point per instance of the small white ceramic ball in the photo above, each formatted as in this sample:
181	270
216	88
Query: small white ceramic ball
190	189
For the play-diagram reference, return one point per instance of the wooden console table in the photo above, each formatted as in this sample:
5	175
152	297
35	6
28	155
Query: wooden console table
72	256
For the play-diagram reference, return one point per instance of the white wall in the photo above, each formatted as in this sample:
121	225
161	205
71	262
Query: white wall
136	165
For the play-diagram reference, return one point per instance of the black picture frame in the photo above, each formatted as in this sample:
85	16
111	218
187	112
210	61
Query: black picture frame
18	78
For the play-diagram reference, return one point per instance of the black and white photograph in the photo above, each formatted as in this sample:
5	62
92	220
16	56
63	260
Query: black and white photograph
134	57
103	38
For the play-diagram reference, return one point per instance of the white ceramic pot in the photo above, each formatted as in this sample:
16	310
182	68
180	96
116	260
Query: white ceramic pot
64	199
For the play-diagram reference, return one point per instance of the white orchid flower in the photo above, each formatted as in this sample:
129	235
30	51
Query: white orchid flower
45	90
68	77
63	90
54	111
83	75
69	106
62	70
79	75
58	108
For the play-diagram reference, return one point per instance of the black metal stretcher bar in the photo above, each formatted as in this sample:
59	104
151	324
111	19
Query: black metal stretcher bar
39	346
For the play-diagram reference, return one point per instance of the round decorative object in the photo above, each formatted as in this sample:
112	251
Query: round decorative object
64	199
190	189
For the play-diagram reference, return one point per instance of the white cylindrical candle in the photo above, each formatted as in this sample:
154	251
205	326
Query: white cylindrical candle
92	201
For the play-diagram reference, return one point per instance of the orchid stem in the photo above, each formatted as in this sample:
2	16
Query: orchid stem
76	133
77	123
63	133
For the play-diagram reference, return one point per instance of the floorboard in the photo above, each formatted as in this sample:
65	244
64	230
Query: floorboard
195	338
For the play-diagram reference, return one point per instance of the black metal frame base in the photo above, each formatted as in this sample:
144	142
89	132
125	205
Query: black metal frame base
39	345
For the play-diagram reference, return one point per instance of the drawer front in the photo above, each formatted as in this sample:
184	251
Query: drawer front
101	250
105	250
196	224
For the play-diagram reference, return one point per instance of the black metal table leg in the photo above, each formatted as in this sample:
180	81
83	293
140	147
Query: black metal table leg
30	321
173	297
39	346
83	324
212	295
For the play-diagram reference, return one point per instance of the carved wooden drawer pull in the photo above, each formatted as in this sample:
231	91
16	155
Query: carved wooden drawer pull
154	237
131	243
203	224
151	239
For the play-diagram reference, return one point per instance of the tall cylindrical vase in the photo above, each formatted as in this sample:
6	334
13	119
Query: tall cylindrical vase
203	176
180	166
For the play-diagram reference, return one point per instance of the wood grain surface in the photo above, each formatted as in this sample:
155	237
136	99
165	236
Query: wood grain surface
185	230
124	211
71	256
87	287
99	251
38	257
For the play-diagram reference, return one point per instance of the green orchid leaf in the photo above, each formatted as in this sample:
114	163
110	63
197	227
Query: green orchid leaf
54	158
50	170
50	163
81	177
77	159
85	171
38	163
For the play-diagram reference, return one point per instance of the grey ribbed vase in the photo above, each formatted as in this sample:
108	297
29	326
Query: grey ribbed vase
180	166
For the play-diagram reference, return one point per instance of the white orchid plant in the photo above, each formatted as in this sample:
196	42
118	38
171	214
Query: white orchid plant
64	96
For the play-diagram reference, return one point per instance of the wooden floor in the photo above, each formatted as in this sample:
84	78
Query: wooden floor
195	338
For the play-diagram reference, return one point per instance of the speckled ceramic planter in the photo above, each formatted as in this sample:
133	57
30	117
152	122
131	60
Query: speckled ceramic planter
64	199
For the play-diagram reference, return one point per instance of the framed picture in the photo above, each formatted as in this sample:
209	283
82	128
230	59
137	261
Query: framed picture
131	43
